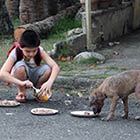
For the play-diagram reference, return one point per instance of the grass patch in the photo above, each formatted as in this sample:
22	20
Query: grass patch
100	76
15	22
65	24
48	43
68	65
115	68
5	44
73	65
89	61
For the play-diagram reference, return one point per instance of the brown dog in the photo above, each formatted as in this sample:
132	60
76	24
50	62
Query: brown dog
116	87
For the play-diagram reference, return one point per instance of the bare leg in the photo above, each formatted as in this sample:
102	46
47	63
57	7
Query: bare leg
43	78
125	103
20	73
112	108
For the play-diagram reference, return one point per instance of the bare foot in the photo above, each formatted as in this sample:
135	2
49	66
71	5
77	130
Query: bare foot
20	97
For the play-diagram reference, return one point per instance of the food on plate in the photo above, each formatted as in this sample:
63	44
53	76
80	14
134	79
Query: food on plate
83	113
8	103
86	113
43	111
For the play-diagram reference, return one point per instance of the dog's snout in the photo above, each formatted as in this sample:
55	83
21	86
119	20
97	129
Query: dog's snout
95	110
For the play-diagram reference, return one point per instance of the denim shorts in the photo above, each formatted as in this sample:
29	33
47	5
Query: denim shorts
33	74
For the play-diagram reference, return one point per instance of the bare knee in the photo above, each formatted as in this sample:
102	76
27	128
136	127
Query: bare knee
137	96
20	70
44	77
20	73
46	74
137	92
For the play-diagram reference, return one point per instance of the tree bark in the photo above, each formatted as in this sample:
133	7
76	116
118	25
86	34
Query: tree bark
13	8
6	26
44	27
28	11
36	10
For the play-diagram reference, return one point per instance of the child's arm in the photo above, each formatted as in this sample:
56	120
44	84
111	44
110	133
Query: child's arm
6	76
55	71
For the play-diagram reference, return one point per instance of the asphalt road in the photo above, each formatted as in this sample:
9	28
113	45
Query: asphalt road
18	123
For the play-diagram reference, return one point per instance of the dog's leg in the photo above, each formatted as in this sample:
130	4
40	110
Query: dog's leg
112	108
137	94
125	103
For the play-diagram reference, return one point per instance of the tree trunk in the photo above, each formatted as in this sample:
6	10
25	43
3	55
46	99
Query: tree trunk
44	27
36	10
13	8
63	4
6	26
27	11
51	7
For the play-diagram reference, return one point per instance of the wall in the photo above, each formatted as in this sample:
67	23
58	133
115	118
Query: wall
111	23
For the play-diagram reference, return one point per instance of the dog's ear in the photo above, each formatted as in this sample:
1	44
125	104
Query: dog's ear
97	95
100	96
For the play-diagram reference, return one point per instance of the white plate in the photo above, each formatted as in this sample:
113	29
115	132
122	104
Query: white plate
9	103
83	113
44	111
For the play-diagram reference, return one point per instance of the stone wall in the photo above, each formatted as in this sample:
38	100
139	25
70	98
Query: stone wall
109	24
136	17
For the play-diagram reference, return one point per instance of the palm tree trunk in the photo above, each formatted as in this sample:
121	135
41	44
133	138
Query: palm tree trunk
13	8
36	10
6	26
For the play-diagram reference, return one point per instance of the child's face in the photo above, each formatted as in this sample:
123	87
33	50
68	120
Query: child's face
29	52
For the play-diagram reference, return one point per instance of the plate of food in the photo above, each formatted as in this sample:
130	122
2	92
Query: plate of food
44	111
9	103
83	113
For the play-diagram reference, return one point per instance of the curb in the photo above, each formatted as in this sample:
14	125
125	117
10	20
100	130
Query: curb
77	83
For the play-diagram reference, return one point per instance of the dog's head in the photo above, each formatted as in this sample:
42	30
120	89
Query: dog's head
96	100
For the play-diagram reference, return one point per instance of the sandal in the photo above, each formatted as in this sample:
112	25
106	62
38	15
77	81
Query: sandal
21	98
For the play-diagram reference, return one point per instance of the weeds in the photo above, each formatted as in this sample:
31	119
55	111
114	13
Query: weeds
64	25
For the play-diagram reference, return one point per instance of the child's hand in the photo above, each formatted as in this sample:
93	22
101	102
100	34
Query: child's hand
27	83
47	92
46	88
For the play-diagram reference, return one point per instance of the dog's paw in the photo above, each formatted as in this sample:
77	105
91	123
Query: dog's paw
106	119
110	117
137	104
124	116
137	118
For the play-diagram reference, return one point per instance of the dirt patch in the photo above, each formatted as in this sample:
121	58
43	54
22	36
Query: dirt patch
126	54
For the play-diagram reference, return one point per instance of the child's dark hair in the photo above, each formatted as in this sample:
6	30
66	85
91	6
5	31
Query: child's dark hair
29	38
